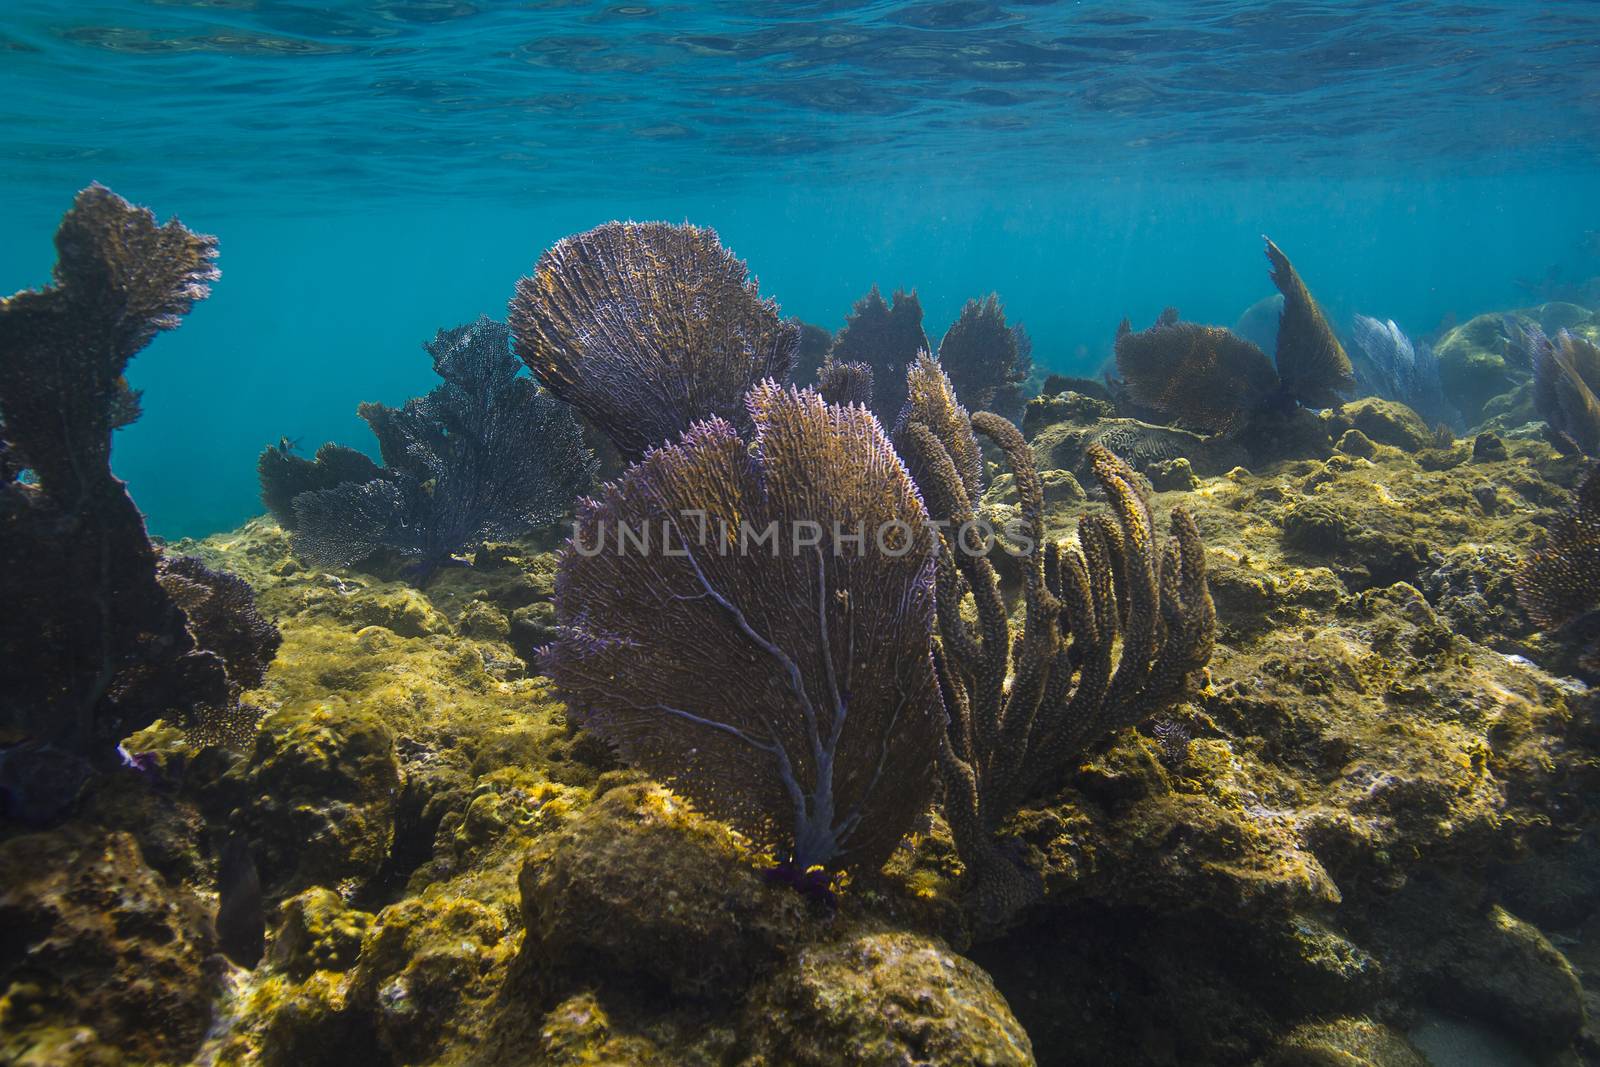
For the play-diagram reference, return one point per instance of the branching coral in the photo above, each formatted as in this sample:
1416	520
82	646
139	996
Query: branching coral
1114	630
92	644
1390	365
981	355
886	338
1566	391
646	328
488	454
285	475
1210	379
765	647
1560	582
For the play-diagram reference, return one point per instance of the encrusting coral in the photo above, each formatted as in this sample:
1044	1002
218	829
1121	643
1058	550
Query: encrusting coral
93	643
646	328
1114	630
984	361
485	456
887	337
782	681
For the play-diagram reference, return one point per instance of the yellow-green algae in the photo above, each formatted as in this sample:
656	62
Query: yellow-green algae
455	875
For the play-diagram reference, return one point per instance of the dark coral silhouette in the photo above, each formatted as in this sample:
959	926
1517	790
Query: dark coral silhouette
93	646
487	455
1209	378
1560	582
1114	630
285	475
887	338
845	383
986	364
810	354
783	685
646	328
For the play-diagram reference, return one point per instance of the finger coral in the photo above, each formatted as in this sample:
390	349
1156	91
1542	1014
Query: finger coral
646	328
751	623
486	455
981	355
1566	381
1561	581
93	645
886	337
1114	630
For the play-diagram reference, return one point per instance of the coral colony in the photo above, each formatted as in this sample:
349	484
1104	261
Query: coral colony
832	624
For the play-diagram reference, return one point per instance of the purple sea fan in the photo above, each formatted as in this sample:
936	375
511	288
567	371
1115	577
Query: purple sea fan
784	684
646	327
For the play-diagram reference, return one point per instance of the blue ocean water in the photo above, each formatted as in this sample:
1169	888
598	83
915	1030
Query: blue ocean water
378	170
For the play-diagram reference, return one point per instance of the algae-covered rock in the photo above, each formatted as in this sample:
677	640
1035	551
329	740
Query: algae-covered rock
318	932
641	888
318	796
884	1000
1350	1042
1472	365
98	955
1386	422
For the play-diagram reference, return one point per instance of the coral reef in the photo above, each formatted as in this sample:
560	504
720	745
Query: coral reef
1389	365
845	383
1020	710
485	456
646	328
981	355
1566	380
886	337
1311	362
93	644
284	475
812	730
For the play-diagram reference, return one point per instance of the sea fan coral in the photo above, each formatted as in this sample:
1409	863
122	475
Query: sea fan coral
886	338
1566	381
1561	581
1114	630
92	645
285	475
646	328
1311	362
845	383
486	455
752	623
810	354
981	355
1390	365
1205	377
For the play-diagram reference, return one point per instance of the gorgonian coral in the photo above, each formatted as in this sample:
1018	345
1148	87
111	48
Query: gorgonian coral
93	645
646	328
1566	391
810	354
1561	581
1390	365
1209	378
886	338
752	624
1114	630
845	383
285	475
486	455
981	355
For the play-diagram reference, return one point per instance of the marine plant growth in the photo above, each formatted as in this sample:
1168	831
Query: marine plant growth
486	455
886	337
1208	378
1390	365
987	360
101	634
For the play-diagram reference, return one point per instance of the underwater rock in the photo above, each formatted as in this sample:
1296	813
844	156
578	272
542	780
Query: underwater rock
1473	368
1071	406
647	328
318	931
1349	1042
1356	443
640	889
884	1000
318	796
99	955
1386	422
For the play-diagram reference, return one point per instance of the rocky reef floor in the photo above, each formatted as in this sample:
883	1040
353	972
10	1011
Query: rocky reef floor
1369	840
